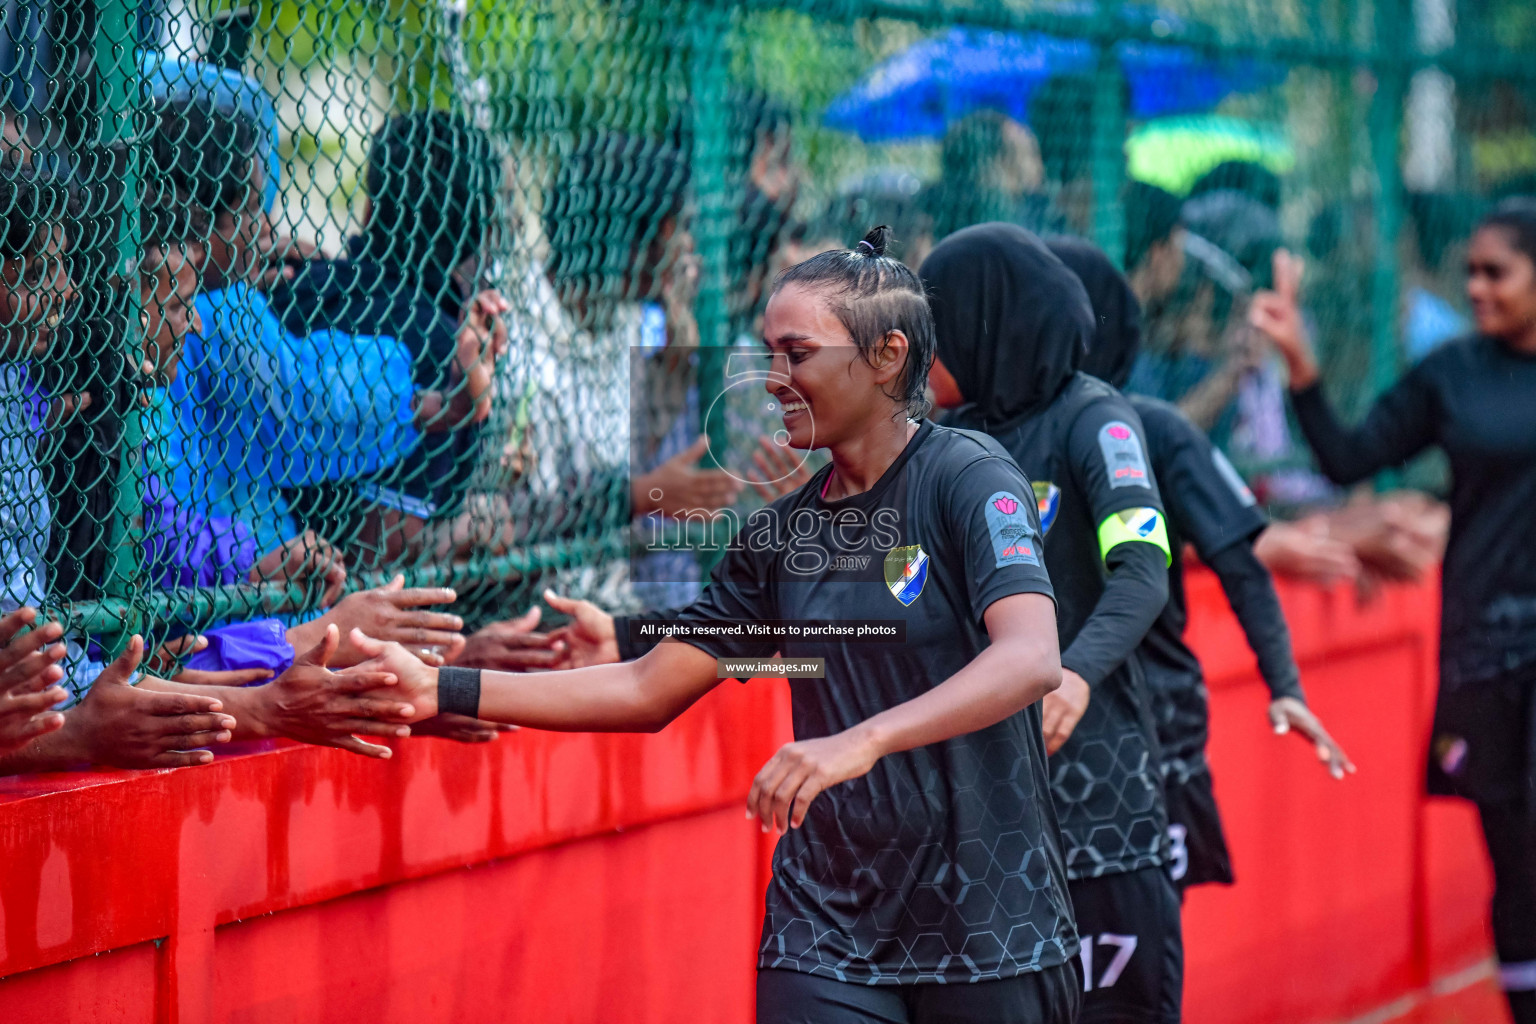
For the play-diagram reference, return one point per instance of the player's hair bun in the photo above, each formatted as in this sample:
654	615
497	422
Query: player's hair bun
874	243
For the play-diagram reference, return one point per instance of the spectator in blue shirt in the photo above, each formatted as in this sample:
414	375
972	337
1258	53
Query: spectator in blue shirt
268	410
413	274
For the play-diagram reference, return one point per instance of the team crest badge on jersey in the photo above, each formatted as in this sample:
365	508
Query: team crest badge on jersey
1048	502
906	571
1123	458
1013	536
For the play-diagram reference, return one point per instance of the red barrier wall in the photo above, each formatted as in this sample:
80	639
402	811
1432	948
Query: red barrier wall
581	878
1350	896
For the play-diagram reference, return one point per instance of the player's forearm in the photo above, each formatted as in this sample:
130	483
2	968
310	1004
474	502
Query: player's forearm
636	696
1133	598
1002	680
629	647
1250	590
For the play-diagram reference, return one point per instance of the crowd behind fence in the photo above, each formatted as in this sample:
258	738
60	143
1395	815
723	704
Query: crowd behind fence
450	290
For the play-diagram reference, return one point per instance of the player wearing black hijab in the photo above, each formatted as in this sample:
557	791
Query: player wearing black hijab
919	878
1476	399
1209	506
1012	325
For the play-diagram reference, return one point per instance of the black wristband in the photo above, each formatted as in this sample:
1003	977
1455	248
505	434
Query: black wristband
458	691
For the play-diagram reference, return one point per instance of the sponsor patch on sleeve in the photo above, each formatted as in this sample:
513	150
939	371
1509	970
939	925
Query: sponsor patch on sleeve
1014	541
1123	458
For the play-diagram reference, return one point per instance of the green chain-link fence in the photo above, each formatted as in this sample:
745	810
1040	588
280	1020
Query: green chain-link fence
344	183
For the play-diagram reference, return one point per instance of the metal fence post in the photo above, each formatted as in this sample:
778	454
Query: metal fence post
1386	120
709	73
1390	68
1108	152
117	75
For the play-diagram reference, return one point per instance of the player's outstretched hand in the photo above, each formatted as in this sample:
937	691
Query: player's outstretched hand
1062	709
793	777
29	673
333	709
1288	713
417	681
589	638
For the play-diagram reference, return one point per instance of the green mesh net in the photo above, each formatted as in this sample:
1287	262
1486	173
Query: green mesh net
437	287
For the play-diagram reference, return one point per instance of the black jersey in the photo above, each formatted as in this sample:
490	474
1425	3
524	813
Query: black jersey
1085	454
1477	400
943	863
1209	506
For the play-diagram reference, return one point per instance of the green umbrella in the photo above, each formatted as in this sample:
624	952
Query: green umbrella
1173	152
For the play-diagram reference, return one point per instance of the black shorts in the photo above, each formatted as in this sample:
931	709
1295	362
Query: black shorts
1197	844
1483	745
1132	948
1051	996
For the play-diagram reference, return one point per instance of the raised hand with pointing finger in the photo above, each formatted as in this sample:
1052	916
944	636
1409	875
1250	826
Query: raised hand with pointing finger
1277	313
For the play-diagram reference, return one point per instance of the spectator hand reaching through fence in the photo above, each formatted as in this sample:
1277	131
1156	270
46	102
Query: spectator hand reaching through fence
127	726
166	659
391	612
513	646
311	703
29	674
1305	550
304	559
782	469
678	486
482	340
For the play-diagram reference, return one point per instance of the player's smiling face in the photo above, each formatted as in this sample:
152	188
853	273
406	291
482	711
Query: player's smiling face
1501	285
827	390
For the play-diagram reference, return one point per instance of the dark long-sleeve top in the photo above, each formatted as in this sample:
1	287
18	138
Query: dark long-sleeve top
1476	399
1210	507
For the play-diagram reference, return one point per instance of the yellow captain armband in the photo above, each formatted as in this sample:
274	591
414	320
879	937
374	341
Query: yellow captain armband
1134	524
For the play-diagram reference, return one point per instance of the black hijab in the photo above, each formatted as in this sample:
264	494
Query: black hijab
1116	313
1013	322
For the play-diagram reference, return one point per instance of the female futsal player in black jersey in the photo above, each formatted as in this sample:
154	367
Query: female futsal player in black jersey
1210	507
1012	326
1476	399
919	876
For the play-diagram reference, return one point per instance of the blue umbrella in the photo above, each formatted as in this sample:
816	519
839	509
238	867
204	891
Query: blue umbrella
922	90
